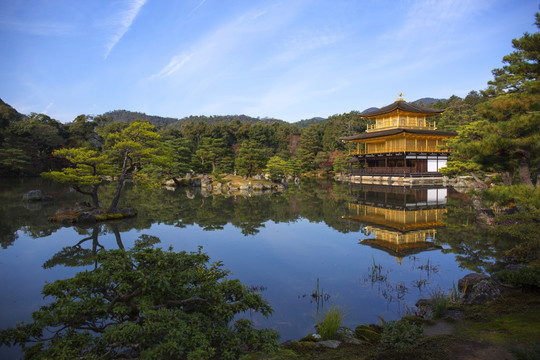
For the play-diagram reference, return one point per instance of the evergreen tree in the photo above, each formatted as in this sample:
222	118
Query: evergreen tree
89	167
251	157
276	167
509	137
212	151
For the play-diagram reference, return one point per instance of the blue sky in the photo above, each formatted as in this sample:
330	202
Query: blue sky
287	59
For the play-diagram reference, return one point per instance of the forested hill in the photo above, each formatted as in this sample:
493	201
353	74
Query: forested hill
307	122
130	116
214	119
8	113
427	100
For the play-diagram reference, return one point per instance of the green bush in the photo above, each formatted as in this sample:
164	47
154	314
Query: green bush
527	354
401	334
328	325
526	251
526	277
370	334
145	303
516	194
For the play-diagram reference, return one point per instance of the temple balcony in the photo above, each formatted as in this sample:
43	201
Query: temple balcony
396	149
401	124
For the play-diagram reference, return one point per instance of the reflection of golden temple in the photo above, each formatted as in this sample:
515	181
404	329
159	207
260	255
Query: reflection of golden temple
400	220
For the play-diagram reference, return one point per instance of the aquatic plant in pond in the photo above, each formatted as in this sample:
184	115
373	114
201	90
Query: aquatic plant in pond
329	323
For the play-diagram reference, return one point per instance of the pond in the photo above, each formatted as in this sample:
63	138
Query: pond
373	250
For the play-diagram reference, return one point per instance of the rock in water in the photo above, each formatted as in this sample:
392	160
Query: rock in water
33	195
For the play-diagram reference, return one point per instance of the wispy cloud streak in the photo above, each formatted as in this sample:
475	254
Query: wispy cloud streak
197	7
123	22
173	66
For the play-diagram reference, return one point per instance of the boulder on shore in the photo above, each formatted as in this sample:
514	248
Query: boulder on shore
477	289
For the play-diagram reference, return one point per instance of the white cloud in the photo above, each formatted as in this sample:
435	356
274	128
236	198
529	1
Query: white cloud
197	7
173	66
301	44
47	108
122	22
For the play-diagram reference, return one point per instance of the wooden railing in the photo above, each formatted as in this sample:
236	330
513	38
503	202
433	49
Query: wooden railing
404	170
393	149
401	125
392	171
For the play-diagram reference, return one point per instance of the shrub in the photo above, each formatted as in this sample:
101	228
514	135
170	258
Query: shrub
401	334
527	354
526	277
328	325
370	334
145	303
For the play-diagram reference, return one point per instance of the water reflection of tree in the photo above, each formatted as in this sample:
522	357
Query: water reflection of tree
475	247
31	218
77	255
81	255
314	201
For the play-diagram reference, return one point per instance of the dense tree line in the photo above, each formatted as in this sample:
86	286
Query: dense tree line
30	145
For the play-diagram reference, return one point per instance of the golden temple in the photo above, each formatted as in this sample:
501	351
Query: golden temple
402	142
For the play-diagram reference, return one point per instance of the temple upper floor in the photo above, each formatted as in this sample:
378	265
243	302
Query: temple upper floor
402	115
401	121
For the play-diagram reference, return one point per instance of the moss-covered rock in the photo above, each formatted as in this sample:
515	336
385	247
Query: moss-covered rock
86	214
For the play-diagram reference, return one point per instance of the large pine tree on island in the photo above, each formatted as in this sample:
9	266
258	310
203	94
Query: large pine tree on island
125	153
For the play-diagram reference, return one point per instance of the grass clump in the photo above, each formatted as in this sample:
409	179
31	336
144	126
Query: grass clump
329	323
439	303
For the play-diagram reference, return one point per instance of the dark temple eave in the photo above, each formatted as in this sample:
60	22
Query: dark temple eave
403	106
391	132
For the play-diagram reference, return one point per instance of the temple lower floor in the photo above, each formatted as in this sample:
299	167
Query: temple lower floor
398	164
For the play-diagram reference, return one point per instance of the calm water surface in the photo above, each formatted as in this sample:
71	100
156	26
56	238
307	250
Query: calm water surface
329	234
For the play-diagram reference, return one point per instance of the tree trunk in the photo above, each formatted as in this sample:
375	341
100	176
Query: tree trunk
538	174
114	202
478	180
95	199
506	178
121	180
93	193
524	168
